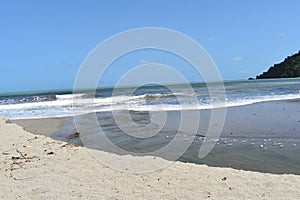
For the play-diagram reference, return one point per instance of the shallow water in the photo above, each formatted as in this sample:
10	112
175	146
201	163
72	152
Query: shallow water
247	142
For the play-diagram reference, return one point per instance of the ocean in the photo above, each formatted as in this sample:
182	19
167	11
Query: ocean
261	131
59	103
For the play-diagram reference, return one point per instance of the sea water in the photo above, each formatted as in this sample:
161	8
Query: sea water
59	103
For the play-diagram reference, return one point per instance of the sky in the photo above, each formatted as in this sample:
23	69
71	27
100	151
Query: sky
43	43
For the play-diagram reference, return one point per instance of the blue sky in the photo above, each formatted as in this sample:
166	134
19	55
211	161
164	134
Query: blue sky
43	43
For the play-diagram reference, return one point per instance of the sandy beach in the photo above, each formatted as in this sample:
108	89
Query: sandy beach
151	100
38	167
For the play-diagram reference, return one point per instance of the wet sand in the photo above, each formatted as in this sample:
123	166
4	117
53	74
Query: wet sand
44	126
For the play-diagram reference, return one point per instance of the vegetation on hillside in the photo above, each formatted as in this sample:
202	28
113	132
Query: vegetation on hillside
289	68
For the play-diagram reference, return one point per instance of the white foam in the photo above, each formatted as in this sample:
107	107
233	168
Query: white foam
33	105
241	102
65	104
68	96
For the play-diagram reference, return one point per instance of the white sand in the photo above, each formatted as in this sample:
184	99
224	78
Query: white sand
37	167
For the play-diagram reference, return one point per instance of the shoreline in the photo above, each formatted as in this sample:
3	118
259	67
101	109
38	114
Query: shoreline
35	166
244	123
54	124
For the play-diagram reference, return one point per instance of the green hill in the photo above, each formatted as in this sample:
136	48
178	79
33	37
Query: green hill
289	68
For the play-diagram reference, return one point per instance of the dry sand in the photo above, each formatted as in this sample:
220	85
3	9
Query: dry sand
38	167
